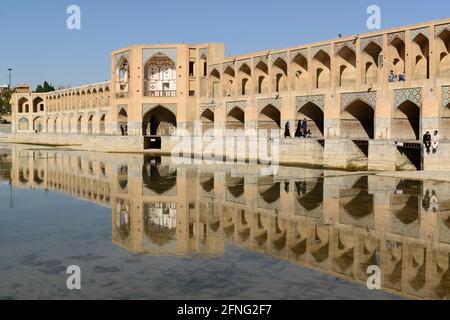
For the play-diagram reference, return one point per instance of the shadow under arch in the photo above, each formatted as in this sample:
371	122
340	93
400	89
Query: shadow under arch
312	199
159	179
357	121
159	121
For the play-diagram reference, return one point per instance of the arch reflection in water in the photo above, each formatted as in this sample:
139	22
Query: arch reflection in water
338	225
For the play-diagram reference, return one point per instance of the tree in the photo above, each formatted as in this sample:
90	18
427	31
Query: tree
5	99
46	87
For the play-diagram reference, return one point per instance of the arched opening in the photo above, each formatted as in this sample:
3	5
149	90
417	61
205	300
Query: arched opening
83	99
269	192
346	59
214	84
314	117
244	86
23	124
245	74
421	54
55	125
229	81
236	119
406	121
443	46
122	122
159	122
357	204
160	76
445	122
88	99
300	67
207	119
38	105
397	53
357	121
123	76
90	124
79	121
280	71
269	118
309	196
261	73
22	105
94	98
102	124
156	178
371	61
322	65
101	98
261	84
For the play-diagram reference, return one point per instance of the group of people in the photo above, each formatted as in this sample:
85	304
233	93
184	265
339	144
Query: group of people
431	142
394	77
430	202
301	132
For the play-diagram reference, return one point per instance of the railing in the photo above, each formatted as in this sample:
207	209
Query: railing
122	95
160	93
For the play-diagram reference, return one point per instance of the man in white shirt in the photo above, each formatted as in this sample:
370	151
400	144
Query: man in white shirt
435	141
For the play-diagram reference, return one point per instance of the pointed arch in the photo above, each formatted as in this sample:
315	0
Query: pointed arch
397	53
214	83
207	120
22	105
159	121
322	67
358	121
261	74
421	53
346	59
269	118
406	121
371	62
245	74
122	122
300	72
91	124
102	124
314	117
235	119
38	105
443	49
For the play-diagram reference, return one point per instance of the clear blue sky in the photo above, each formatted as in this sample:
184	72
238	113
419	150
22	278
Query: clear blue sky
37	44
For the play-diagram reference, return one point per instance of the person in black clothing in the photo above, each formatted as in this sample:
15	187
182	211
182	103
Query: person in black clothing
287	130
298	132
427	141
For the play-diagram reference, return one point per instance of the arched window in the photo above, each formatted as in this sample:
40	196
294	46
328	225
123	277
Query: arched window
123	71
166	72
160	76
153	72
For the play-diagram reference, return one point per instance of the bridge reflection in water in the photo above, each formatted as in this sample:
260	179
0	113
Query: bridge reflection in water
334	222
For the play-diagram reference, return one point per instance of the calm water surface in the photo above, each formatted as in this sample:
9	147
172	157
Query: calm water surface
144	228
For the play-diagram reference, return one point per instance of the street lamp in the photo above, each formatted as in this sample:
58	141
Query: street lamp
10	70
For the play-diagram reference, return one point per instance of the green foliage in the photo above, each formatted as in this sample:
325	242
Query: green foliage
5	98
46	87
